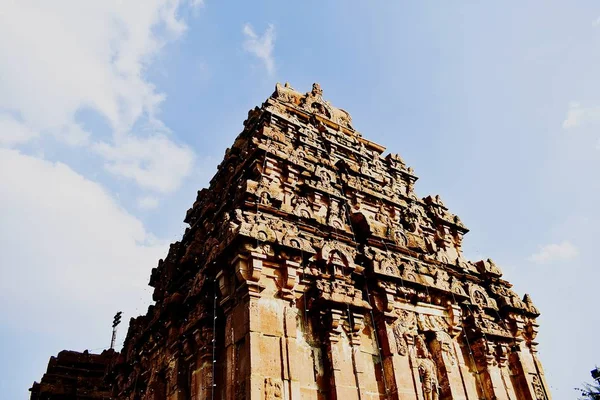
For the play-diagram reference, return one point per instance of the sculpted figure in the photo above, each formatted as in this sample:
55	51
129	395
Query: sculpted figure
273	389
264	198
427	370
321	213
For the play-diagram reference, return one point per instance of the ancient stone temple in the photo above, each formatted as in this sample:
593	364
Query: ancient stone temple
74	375
311	270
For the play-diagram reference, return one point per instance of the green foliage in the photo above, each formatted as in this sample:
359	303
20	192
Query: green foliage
589	391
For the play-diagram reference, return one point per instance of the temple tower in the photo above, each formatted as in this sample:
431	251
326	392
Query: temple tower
311	270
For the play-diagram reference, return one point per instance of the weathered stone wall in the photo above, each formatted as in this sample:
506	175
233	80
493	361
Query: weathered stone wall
75	375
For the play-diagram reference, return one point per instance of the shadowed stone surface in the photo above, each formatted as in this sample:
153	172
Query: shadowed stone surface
74	375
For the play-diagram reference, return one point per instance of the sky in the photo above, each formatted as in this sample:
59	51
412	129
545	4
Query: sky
114	113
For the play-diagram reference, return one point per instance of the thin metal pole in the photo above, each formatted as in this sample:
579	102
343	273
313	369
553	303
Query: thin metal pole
214	347
113	338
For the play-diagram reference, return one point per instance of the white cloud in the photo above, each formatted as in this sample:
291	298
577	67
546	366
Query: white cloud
555	252
148	161
596	22
578	115
69	255
147	203
70	55
13	132
261	46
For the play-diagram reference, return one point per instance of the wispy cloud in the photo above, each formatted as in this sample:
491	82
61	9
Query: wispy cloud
78	221
578	116
147	203
155	163
596	22
90	57
261	46
555	252
13	132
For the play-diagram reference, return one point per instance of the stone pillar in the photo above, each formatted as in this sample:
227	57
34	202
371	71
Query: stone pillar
444	353
529	379
365	379
343	381
202	365
177	374
530	383
503	351
492	378
470	381
394	350
414	366
291	373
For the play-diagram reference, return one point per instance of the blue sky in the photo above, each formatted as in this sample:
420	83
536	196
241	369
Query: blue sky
113	114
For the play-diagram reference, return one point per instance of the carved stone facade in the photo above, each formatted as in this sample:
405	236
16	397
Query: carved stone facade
72	375
311	270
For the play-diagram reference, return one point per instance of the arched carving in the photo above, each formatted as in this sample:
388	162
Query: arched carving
302	208
263	233
332	251
478	296
314	103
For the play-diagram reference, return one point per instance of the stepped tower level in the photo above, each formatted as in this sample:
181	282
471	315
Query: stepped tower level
311	270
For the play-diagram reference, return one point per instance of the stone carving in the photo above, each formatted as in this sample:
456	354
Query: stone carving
334	218
273	390
488	267
433	323
489	326
314	103
406	324
456	287
338	291
529	304
286	93
507	297
427	370
480	298
538	389
384	262
321	214
409	272
442	280
445	342
302	208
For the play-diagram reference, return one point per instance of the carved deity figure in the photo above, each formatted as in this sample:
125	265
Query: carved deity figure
411	219
321	213
334	216
429	381
479	298
427	370
273	390
382	215
316	90
401	346
264	198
